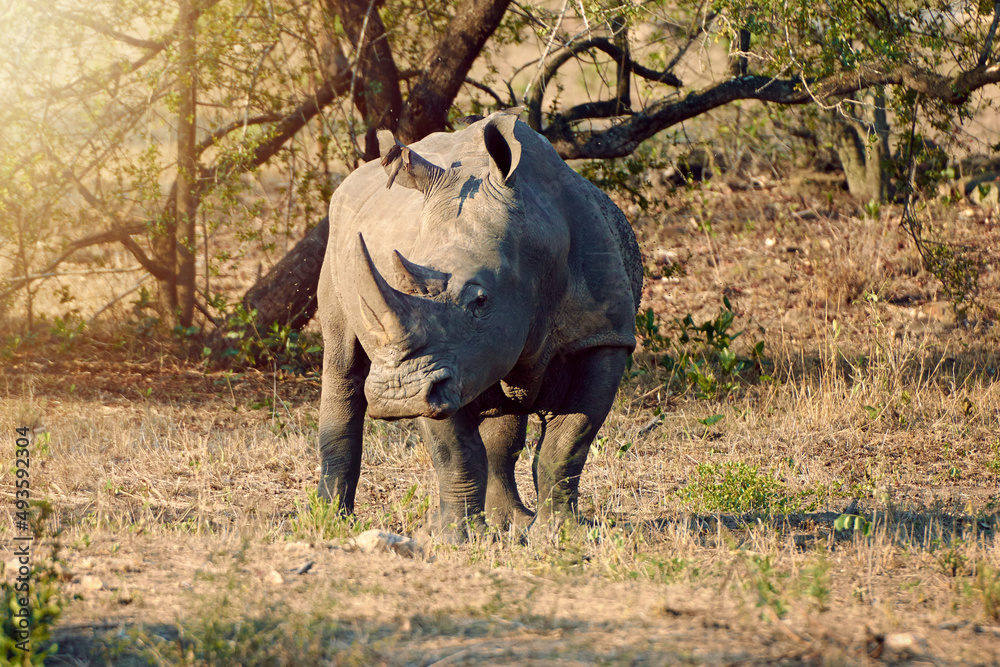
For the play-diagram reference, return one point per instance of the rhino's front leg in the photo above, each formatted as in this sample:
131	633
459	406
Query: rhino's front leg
594	380
459	458
504	438
341	423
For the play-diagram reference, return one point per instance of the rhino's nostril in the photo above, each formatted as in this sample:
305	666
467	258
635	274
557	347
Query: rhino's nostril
443	396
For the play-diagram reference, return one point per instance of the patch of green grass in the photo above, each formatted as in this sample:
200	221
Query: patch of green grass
767	583
815	582
411	512
993	463
316	518
738	488
986	586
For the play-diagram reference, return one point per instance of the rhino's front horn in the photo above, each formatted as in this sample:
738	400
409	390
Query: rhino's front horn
416	279
389	315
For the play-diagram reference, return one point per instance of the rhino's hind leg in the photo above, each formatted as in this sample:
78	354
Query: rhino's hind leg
341	423
572	428
459	458
504	438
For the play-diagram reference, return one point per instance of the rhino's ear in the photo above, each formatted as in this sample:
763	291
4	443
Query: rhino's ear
404	166
503	147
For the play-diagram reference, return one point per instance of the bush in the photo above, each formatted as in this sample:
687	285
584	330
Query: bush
686	356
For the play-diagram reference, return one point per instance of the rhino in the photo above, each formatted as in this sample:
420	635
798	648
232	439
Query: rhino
471	280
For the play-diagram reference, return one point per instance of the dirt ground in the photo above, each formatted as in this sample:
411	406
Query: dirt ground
187	533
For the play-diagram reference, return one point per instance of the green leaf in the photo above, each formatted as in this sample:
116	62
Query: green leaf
709	421
853	522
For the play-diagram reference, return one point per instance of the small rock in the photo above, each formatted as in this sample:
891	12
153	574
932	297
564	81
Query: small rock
905	641
987	630
769	242
795	316
302	569
378	540
273	577
952	625
665	257
85	564
91	583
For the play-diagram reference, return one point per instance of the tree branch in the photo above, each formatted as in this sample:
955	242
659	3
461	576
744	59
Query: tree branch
489	91
154	267
285	129
622	139
101	80
988	46
221	132
560	58
100	238
104	29
377	94
623	88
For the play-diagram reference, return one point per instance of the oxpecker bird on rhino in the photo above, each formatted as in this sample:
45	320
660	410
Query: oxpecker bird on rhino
470	280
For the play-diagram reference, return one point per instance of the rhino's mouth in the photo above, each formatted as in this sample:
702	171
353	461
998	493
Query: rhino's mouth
412	390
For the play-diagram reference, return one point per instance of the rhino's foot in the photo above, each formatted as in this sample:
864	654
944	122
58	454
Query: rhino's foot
549	520
447	528
517	517
559	529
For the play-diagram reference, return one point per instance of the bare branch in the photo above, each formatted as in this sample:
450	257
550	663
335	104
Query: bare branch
135	287
221	132
534	99
589	110
81	272
622	139
100	80
109	236
489	91
104	29
693	33
623	89
156	268
553	32
283	130
374	88
988	46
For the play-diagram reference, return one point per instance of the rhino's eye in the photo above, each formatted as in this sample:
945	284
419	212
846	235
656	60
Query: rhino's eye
479	303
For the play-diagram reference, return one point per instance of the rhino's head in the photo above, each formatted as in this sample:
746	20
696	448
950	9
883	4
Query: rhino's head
448	331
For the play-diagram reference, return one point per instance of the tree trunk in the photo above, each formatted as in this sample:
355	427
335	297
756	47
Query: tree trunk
863	149
287	293
163	242
427	106
187	165
376	90
738	64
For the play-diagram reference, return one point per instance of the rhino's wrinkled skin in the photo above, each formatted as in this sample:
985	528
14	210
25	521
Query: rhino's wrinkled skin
489	281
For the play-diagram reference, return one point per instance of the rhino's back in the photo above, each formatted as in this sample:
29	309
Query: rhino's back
605	267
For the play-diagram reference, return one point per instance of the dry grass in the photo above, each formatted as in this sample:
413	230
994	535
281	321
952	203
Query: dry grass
186	493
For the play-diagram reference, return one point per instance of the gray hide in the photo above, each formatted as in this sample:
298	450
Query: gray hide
489	281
